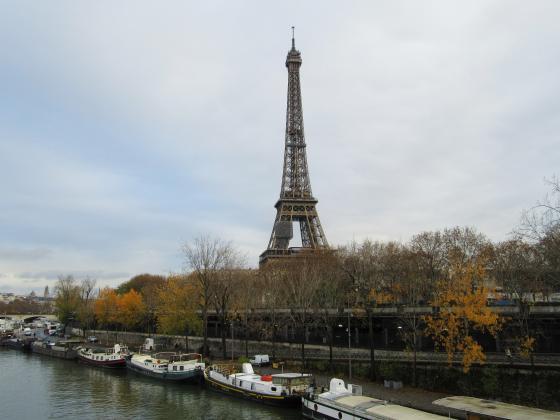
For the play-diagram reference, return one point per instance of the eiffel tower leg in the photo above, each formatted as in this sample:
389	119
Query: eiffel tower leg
306	234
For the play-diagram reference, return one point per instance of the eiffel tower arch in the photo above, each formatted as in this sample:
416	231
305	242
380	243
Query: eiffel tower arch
296	202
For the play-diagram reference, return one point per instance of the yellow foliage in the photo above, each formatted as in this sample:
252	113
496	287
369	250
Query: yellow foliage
131	309
463	308
526	346
178	301
380	297
106	306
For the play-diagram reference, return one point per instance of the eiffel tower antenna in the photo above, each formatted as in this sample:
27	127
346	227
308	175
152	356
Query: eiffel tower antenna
293	37
296	202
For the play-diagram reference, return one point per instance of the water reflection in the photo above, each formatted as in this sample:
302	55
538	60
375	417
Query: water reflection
35	386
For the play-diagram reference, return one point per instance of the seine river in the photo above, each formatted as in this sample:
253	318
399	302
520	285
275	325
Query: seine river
39	387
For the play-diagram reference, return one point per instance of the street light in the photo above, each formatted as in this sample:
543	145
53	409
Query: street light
349	349
232	340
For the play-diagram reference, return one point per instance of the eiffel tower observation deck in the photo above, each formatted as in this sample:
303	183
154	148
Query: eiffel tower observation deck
296	202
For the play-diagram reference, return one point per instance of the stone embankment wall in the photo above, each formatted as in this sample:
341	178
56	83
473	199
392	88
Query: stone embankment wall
292	351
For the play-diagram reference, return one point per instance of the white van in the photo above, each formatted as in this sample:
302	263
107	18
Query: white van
260	360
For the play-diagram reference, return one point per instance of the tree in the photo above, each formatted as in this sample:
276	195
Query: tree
205	257
540	225
67	300
519	268
248	298
222	291
140	283
269	280
301	284
106	307
462	309
86	313
177	303
408	294
131	309
330	296
359	264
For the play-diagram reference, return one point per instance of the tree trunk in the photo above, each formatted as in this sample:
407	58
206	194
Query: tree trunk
273	334
223	334
246	335
414	361
246	344
273	340
303	351
371	347
534	380
204	332
331	336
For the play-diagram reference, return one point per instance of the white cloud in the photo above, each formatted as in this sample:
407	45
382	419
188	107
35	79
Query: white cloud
125	130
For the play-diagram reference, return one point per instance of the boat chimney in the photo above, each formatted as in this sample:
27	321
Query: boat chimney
248	368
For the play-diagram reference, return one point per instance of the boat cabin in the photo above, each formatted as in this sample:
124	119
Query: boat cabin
478	409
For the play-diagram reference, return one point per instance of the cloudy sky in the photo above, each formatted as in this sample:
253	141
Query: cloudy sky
130	127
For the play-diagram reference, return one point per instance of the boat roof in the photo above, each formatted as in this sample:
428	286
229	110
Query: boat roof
291	375
375	408
496	409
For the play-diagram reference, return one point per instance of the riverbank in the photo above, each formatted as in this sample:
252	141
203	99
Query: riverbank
502	379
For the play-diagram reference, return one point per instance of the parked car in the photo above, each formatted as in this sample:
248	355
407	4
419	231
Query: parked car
92	339
260	360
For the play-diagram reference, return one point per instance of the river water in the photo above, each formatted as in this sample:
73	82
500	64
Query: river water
33	386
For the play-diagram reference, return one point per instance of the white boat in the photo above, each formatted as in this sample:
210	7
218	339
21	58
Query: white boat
284	389
114	357
477	408
342	402
168	366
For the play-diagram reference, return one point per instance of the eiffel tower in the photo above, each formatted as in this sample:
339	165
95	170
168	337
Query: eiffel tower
296	202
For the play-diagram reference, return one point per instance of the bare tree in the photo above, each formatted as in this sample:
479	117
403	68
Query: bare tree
518	269
360	264
270	281
330	295
86	313
301	284
223	287
206	256
541	225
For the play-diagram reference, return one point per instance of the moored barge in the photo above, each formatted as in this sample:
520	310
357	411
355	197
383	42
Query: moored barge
283	389
114	357
348	403
64	349
168	366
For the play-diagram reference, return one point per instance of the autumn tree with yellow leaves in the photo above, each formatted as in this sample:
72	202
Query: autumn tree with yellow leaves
177	302
106	307
130	309
462	311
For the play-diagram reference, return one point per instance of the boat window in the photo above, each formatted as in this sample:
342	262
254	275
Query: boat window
174	367
305	380
182	367
273	388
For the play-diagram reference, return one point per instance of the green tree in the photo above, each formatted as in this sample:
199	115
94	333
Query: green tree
67	300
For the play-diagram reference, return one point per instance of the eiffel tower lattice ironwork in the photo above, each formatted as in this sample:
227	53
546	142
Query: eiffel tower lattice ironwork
296	202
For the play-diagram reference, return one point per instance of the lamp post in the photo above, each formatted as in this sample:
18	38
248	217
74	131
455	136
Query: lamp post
349	348
232	340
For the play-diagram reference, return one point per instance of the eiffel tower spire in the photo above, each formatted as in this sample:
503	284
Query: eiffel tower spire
296	202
